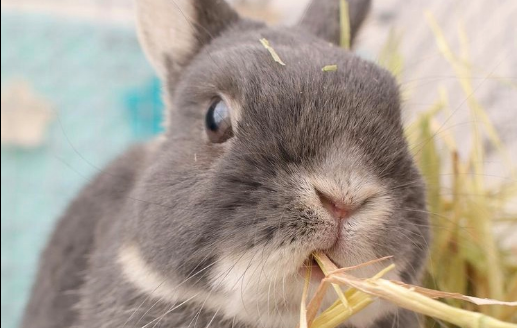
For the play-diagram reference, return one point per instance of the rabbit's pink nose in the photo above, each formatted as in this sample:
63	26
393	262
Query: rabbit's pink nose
336	209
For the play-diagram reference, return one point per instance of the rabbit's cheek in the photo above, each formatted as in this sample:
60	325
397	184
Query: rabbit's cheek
143	277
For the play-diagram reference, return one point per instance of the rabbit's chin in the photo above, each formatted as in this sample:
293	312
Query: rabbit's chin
257	289
264	289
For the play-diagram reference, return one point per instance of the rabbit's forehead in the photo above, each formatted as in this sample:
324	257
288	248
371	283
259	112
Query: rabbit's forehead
298	105
287	60
249	77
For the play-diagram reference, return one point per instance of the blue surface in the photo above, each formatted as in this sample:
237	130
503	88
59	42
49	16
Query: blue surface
145	109
105	96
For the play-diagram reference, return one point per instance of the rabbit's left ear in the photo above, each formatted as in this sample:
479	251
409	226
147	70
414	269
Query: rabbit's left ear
173	31
322	18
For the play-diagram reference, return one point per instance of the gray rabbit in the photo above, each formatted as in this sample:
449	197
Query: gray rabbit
261	164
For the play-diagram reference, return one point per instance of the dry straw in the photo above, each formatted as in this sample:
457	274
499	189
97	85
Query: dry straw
272	51
362	292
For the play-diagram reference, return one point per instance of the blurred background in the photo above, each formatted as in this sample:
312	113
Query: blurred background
77	90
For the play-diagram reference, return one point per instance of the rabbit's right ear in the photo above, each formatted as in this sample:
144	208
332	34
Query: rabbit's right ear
322	18
173	31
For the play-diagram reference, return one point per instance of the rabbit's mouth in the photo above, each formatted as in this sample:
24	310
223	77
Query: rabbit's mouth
313	268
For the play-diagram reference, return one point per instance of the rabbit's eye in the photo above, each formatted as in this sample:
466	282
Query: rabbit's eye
218	122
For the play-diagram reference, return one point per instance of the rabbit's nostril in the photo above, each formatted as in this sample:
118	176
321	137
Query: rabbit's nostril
336	209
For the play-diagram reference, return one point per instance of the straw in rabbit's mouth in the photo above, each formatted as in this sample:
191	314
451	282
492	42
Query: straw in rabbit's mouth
362	292
316	273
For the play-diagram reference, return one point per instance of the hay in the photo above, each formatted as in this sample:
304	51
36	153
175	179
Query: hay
329	68
362	292
272	51
344	21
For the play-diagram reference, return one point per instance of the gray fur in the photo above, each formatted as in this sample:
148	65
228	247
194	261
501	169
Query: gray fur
187	204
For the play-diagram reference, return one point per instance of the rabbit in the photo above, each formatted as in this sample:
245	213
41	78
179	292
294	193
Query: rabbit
263	161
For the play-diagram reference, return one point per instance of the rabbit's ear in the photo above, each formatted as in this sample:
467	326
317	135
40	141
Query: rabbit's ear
322	18
173	31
